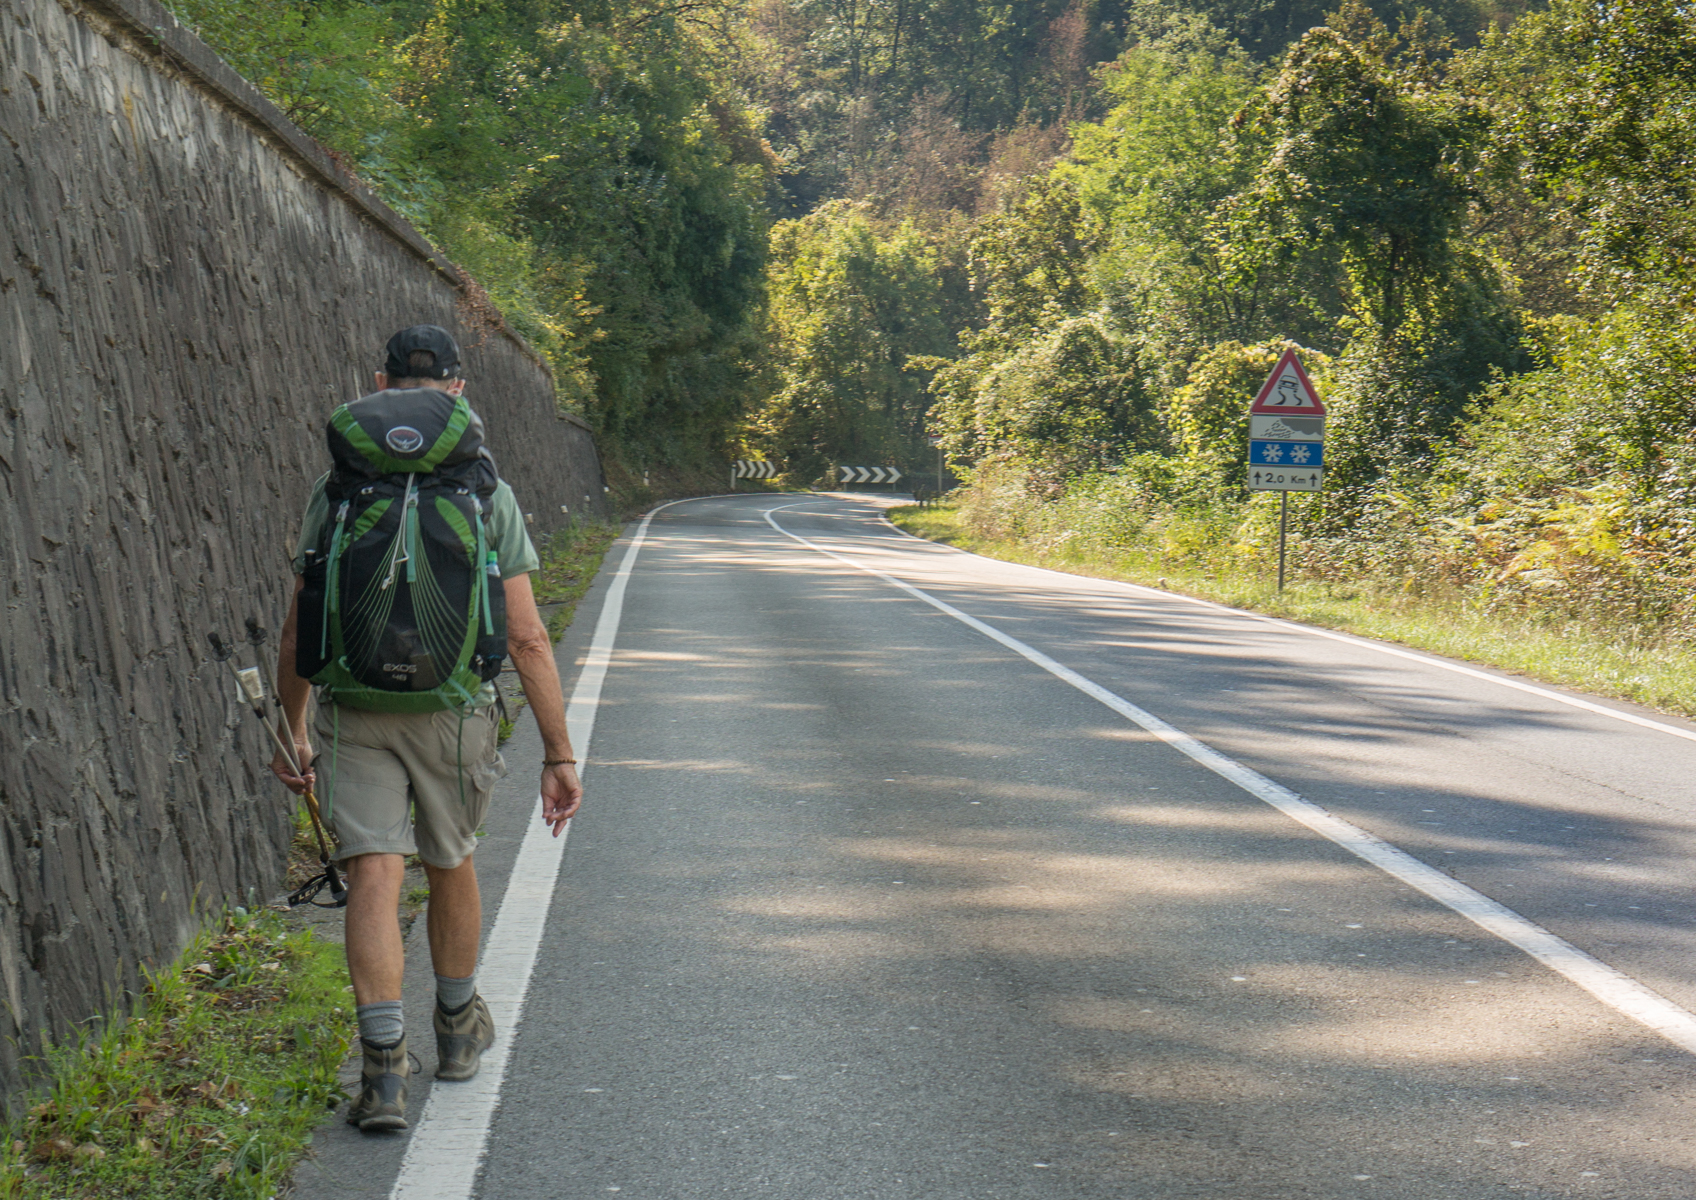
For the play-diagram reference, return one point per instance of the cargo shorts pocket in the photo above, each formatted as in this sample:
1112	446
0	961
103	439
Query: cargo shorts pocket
486	774
475	744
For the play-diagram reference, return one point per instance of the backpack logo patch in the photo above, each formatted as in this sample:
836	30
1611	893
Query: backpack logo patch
404	439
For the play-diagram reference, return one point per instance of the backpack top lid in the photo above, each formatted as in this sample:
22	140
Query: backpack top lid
404	431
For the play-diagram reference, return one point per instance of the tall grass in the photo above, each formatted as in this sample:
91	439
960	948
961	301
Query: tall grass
1392	586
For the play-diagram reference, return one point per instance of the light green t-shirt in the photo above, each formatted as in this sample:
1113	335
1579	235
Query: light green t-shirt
504	527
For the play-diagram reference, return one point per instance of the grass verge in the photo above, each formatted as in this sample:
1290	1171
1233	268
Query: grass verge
569	563
1571	654
213	1091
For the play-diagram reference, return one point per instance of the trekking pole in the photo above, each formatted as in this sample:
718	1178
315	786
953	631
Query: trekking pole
256	635
253	688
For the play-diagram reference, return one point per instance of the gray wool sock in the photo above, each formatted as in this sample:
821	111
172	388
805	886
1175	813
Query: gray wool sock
380	1024
454	994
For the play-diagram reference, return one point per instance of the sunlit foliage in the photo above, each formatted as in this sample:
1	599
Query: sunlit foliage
588	163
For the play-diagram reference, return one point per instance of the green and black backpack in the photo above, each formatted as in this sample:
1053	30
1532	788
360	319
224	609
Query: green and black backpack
403	608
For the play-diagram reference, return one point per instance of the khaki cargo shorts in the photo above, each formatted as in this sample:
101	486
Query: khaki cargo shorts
394	786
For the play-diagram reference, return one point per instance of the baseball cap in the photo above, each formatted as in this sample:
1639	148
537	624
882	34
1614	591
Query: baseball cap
433	338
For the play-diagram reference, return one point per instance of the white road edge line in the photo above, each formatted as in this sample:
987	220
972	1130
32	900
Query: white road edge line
1333	635
1613	988
447	1146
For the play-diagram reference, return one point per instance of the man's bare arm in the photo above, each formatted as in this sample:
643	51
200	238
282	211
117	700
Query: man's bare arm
532	653
294	692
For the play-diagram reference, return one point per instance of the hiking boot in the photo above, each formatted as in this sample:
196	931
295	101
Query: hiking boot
382	1096
461	1038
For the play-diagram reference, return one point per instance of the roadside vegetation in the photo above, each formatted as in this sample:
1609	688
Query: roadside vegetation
590	165
1443	621
213	1090
1070	238
1478	235
570	561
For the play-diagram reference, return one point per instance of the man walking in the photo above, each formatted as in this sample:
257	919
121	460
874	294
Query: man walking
418	780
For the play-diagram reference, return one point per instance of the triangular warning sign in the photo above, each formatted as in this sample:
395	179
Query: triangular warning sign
1288	392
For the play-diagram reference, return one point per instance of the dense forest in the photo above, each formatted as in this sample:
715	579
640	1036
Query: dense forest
1071	237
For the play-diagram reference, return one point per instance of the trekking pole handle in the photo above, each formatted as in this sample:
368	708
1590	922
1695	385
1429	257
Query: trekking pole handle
254	689
251	685
248	677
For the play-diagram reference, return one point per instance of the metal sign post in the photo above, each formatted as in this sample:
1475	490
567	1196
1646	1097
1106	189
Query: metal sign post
1283	533
1286	442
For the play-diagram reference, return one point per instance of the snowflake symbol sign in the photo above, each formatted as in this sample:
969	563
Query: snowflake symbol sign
1274	453
1299	455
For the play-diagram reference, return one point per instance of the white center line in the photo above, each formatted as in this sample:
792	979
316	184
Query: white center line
1612	987
447	1147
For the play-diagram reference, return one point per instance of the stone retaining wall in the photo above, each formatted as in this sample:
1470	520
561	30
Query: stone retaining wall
188	285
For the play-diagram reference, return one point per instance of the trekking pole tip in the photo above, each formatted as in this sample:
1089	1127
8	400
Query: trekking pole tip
220	650
256	633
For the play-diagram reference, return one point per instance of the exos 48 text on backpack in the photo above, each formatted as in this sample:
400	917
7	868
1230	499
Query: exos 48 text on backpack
402	608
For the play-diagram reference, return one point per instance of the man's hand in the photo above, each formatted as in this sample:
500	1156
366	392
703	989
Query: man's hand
293	693
532	653
298	784
562	795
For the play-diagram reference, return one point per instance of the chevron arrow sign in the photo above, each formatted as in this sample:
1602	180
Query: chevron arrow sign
753	469
845	474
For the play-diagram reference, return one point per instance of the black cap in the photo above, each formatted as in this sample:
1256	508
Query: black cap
433	338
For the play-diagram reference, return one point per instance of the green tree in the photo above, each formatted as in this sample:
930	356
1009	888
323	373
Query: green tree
1593	103
854	301
1359	160
592	165
1156	173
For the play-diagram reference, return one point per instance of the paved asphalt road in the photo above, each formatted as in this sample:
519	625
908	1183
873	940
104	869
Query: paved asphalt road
865	906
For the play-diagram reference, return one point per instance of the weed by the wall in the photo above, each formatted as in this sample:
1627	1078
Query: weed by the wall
212	1091
569	563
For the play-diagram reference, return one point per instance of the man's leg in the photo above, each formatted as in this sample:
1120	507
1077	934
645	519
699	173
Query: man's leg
449	805
371	819
463	1026
375	958
377	961
455	918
